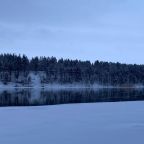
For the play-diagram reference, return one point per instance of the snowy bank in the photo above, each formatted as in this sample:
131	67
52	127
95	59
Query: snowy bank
106	123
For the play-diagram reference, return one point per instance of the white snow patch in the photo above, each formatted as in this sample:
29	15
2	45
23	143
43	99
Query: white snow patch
35	79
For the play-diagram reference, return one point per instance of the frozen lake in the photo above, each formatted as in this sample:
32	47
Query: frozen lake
102	123
107	118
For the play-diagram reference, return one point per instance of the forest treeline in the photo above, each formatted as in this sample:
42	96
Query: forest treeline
71	71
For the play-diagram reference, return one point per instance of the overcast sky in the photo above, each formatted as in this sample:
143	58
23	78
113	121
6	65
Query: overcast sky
108	30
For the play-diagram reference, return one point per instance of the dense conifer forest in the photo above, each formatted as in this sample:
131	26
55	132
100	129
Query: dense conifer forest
65	71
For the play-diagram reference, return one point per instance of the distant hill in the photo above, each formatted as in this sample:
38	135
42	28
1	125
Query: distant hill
48	70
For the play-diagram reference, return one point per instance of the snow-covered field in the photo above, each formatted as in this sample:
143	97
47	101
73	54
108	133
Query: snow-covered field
105	123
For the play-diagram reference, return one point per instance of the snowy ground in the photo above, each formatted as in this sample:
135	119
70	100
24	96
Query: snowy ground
106	123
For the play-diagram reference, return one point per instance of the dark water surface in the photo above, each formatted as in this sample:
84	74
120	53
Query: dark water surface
36	97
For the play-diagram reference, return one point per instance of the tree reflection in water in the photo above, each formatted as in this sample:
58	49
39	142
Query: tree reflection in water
36	97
